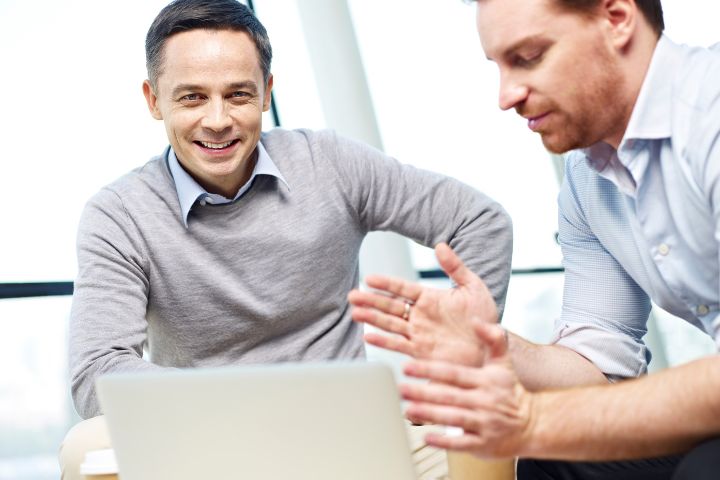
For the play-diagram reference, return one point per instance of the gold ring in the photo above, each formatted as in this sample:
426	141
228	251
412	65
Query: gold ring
406	312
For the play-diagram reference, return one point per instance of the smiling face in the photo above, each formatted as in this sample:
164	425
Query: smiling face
558	69
211	96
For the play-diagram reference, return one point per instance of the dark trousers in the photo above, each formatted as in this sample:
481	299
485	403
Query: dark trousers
700	463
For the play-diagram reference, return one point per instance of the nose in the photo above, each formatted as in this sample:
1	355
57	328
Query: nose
512	93
216	116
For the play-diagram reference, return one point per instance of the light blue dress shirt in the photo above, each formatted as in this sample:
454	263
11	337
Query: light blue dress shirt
189	191
643	222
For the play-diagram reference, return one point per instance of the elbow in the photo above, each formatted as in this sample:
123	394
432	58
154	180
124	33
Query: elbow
82	389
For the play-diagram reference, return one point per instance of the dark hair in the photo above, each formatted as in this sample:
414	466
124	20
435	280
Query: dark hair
184	15
651	9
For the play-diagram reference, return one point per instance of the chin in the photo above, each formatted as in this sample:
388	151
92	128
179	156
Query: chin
559	146
555	147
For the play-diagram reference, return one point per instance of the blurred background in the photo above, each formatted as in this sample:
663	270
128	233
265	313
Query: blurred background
74	119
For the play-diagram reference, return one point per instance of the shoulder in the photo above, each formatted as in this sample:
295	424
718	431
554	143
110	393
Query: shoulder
302	149
696	86
140	186
290	141
582	190
696	110
577	170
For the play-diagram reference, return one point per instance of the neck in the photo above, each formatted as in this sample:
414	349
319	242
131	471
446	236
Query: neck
635	63
228	185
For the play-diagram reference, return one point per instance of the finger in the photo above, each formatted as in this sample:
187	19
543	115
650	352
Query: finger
395	286
383	321
458	443
378	301
494	337
439	394
389	342
456	269
456	375
444	415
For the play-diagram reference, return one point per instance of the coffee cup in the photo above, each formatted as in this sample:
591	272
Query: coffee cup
100	465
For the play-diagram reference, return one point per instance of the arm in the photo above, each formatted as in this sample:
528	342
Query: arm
551	366
428	208
657	415
440	327
599	333
661	414
107	320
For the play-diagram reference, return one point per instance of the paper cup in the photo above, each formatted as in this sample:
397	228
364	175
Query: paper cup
99	465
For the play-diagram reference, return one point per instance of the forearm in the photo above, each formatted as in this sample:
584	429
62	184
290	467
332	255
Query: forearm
658	415
428	208
85	374
541	367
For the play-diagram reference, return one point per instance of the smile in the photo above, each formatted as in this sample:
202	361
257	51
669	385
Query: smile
216	146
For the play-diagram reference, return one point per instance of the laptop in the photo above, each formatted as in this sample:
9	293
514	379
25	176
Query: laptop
299	421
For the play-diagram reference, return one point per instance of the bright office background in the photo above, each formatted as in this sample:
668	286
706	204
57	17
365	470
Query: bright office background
74	119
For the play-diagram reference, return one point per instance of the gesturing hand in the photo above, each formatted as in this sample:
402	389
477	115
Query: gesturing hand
430	323
488	403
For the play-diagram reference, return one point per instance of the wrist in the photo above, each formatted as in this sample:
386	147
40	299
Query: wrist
531	442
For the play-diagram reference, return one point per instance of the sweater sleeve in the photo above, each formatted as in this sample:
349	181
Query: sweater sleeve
426	207
108	316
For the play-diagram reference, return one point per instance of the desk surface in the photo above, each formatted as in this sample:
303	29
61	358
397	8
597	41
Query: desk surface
430	463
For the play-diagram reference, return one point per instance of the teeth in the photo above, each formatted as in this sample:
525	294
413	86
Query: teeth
215	145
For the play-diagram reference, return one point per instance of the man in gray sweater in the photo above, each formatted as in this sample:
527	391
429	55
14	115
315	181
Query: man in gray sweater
236	246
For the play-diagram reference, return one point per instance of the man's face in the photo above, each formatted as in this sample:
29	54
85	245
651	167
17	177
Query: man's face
211	96
558	70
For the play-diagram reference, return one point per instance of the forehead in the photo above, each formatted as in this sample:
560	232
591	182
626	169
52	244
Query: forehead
504	24
209	54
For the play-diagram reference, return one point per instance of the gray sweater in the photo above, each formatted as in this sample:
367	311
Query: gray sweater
265	278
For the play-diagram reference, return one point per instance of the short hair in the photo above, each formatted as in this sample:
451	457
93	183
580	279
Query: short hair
651	10
184	15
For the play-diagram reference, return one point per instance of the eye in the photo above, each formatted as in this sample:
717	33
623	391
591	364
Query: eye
529	59
526	62
240	95
190	97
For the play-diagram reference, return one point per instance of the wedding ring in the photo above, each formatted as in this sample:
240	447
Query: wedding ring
406	312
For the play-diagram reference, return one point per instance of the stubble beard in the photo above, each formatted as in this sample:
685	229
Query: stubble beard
599	111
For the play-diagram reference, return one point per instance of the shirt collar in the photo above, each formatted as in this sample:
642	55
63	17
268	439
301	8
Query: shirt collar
189	191
651	119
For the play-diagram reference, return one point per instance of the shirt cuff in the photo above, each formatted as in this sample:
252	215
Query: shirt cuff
617	355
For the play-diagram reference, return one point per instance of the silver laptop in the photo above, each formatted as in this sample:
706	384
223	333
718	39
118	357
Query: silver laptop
289	421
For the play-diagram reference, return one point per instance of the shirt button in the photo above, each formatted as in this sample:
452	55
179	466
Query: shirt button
703	310
663	249
202	202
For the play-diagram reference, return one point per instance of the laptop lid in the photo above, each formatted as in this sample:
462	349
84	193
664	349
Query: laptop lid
304	421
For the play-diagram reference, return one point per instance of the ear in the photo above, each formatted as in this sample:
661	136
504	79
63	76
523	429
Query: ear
268	93
151	99
622	17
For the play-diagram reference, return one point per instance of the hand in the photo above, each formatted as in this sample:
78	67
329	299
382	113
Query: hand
488	403
440	322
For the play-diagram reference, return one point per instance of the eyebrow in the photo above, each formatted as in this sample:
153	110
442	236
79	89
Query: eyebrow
189	87
247	85
520	44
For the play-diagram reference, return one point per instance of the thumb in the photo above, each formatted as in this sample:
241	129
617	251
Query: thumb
455	268
494	337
